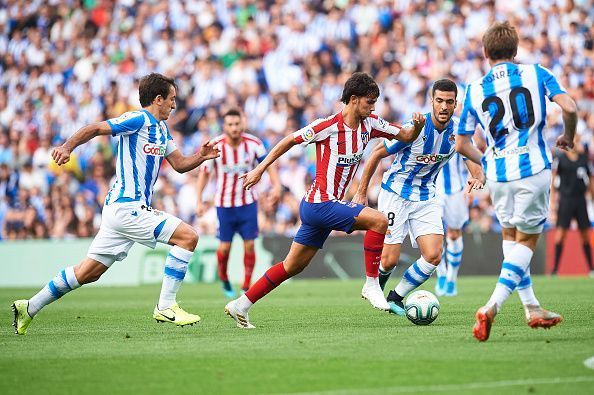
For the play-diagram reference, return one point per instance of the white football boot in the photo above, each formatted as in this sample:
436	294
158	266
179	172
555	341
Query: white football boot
374	294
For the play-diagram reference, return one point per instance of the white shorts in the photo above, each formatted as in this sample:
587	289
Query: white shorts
406	216
454	209
123	224
522	204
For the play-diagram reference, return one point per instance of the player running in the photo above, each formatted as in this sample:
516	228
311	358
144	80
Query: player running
127	217
450	184
407	195
340	141
237	209
509	103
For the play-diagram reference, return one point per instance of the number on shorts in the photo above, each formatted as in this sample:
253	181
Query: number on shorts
391	217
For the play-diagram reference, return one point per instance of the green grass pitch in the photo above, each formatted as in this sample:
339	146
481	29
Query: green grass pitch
312	337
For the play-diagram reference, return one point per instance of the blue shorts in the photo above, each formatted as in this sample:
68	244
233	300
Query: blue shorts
319	219
242	220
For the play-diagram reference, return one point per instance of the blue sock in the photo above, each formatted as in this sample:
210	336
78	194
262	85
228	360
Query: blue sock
414	276
59	286
176	266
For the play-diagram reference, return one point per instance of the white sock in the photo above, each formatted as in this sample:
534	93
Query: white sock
385	271
371	281
442	268
60	285
414	276
525	290
512	271
176	266
454	249
243	304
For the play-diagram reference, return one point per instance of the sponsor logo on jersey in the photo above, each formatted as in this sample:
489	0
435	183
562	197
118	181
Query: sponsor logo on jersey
513	151
238	168
153	149
431	158
348	160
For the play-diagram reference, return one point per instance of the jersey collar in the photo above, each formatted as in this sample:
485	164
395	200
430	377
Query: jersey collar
151	117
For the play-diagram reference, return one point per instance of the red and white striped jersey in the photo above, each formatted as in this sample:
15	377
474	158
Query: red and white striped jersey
232	163
339	150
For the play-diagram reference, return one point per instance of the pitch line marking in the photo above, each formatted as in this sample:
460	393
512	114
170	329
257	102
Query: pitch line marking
455	387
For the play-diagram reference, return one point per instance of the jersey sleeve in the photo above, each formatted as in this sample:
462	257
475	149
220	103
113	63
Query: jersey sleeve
170	144
260	151
315	131
128	123
468	118
382	128
552	87
395	146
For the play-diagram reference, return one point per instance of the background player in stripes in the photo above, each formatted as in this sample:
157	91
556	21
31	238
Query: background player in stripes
340	141
237	208
449	185
127	217
509	104
407	195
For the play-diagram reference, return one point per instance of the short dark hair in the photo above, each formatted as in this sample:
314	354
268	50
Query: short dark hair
501	41
154	85
233	112
359	84
444	85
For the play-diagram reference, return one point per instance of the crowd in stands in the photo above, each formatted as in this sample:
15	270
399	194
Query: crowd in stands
66	63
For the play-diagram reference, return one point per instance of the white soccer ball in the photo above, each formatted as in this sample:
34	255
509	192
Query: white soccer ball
422	307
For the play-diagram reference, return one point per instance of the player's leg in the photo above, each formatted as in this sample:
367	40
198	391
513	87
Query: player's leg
248	229
584	227
184	239
454	249
225	232
68	279
376	225
565	213
389	260
431	250
441	272
298	258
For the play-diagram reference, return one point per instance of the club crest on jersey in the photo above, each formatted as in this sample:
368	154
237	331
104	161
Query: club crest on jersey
365	137
153	149
431	158
348	160
452	138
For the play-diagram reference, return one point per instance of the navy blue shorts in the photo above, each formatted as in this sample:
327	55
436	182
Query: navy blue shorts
319	219
242	220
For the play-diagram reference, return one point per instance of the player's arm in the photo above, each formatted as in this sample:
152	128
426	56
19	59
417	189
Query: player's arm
62	153
465	147
409	133
275	193
182	164
477	176
250	179
380	152
203	178
567	104
554	185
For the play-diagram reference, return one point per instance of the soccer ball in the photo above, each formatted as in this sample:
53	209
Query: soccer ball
422	307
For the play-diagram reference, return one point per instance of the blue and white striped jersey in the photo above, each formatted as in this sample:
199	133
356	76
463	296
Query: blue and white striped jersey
452	177
416	165
144	142
509	104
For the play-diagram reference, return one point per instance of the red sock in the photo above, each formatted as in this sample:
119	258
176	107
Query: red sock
373	243
270	280
222	260
249	261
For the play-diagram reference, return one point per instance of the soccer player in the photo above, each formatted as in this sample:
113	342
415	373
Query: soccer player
450	184
127	217
237	209
509	104
340	141
407	195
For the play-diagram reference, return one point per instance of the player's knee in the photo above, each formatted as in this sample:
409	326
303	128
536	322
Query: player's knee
294	268
249	246
224	248
433	257
190	240
380	223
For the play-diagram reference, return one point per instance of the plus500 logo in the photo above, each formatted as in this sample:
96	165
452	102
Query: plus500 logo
348	160
431	158
154	149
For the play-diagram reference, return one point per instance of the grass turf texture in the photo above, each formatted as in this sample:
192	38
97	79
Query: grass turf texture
311	337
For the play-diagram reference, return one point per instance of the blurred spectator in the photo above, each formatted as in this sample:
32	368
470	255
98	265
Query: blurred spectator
63	66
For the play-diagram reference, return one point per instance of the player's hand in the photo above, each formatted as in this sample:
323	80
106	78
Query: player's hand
200	209
209	150
564	143
61	155
418	121
252	178
360	198
474	183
